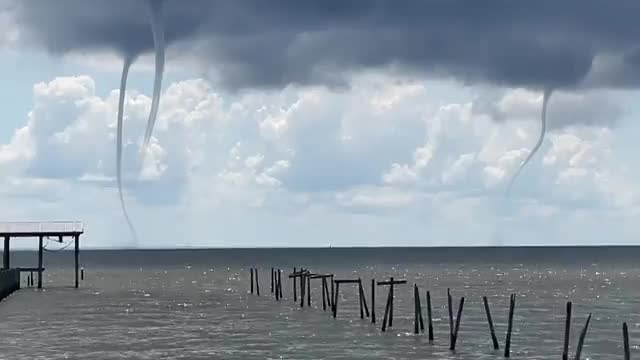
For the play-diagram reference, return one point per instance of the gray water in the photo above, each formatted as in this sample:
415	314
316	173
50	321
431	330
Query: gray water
194	304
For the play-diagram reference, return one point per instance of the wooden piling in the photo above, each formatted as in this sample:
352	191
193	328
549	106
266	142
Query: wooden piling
302	288
430	317
363	297
507	344
279	288
332	289
40	256
82	274
583	334
386	311
391	303
252	280
373	301
420	310
257	282
567	332
273	281
625	337
450	310
458	319
335	301
416	322
295	296
324	288
496	346
360	298
308	291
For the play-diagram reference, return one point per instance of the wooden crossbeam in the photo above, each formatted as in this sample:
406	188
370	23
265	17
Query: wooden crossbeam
347	281
394	282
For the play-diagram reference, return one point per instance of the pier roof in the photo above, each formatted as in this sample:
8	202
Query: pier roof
46	228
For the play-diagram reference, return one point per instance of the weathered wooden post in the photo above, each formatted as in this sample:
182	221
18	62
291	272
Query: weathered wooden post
386	312
40	249
295	296
420	312
567	332
279	289
309	290
391	304
429	315
6	254
257	282
418	321
324	288
583	334
302	287
416	325
625	337
453	336
335	300
76	256
363	300
373	301
251	270
275	284
496	346
82	274
450	310
507	346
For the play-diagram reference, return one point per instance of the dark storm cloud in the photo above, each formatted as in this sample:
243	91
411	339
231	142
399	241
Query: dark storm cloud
255	43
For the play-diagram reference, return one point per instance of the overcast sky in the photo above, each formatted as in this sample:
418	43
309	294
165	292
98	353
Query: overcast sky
359	123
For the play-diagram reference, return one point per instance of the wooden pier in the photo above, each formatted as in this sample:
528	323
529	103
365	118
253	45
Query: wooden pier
56	230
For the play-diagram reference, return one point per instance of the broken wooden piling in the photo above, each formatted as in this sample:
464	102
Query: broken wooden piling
418	325
373	301
567	332
625	337
279	288
82	274
507	344
496	346
257	282
583	334
251	270
453	331
273	281
430	317
295	297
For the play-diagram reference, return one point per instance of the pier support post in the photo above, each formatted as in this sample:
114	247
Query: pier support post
567	332
507	344
625	336
251	270
373	301
5	254
496	346
40	262
76	255
295	291
430	318
583	334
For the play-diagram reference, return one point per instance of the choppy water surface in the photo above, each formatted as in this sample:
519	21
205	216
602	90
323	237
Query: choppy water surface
195	304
